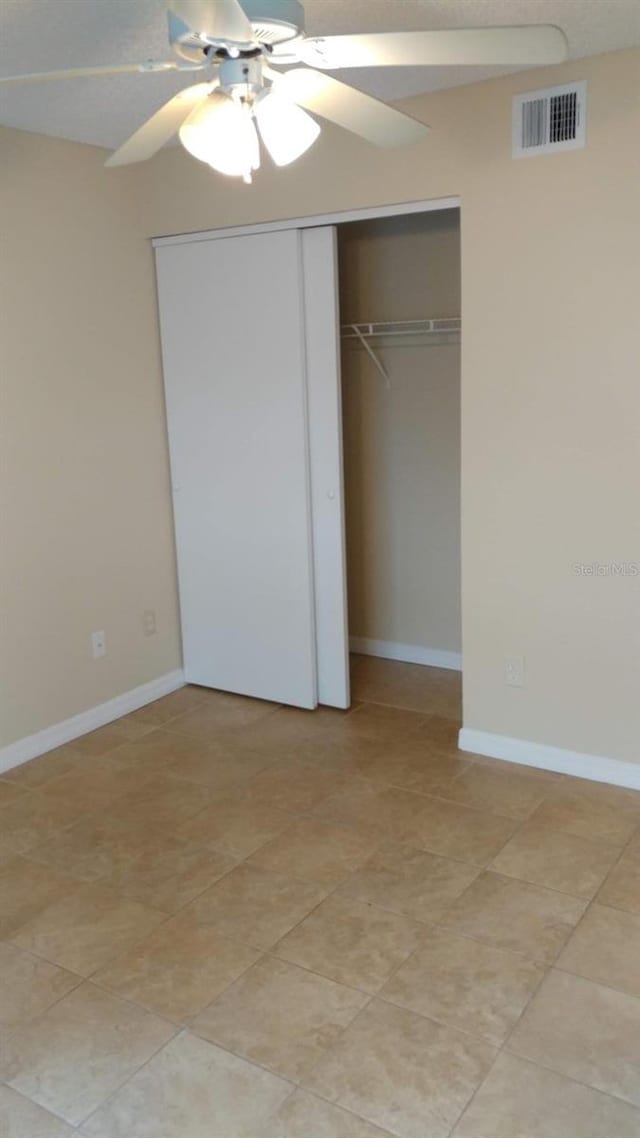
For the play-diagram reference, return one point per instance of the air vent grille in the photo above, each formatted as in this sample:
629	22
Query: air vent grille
547	121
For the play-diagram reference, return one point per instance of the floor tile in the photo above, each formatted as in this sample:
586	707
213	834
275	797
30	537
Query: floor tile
30	818
220	765
500	766
305	1116
286	732
321	718
604	792
413	882
506	792
220	712
80	1051
521	1100
378	804
160	749
352	943
28	986
107	738
94	848
26	889
385	810
169	873
373	680
443	731
621	889
256	906
406	1074
585	1031
293	786
313	850
20	1118
235	827
9	791
169	706
413	765
97	784
282	736
164	803
632	851
375	721
513	915
458	832
587	815
606	947
191	1089
85	930
464	984
560	861
178	969
280	1016
38	771
430	691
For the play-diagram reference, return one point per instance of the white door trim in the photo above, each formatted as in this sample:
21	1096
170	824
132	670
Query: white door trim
365	214
324	424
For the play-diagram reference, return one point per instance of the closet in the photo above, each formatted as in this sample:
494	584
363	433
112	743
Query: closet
400	317
252	324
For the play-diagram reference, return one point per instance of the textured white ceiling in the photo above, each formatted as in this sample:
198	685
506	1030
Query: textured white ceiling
38	35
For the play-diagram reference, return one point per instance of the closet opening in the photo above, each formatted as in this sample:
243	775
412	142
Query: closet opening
400	316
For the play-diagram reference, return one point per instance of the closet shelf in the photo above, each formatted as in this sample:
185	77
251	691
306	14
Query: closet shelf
371	329
433	330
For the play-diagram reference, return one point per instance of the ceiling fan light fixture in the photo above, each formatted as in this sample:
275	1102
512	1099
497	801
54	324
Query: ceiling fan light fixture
221	132
286	130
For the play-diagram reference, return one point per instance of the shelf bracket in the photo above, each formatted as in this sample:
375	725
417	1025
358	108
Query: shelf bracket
372	355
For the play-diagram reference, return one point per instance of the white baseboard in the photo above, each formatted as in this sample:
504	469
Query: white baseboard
595	767
59	733
408	653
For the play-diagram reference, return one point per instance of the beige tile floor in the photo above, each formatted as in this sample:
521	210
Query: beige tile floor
224	919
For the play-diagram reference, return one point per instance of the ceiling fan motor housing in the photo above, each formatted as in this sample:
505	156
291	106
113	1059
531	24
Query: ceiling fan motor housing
275	21
272	22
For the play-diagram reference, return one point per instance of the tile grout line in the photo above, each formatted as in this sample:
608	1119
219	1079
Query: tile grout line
571	1078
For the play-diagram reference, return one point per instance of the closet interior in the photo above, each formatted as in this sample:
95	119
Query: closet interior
400	315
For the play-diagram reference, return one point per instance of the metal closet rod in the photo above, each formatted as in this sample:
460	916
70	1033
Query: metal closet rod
370	329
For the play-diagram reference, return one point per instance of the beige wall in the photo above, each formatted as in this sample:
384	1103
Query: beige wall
550	399
402	443
86	538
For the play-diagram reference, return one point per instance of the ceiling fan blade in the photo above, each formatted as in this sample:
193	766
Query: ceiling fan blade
82	72
349	108
527	44
214	19
157	130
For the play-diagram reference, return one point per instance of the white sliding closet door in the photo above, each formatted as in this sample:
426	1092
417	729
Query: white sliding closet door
234	353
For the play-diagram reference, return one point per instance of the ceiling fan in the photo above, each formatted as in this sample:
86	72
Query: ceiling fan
241	43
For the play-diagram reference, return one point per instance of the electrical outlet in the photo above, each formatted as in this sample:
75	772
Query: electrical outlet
98	644
514	671
149	622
